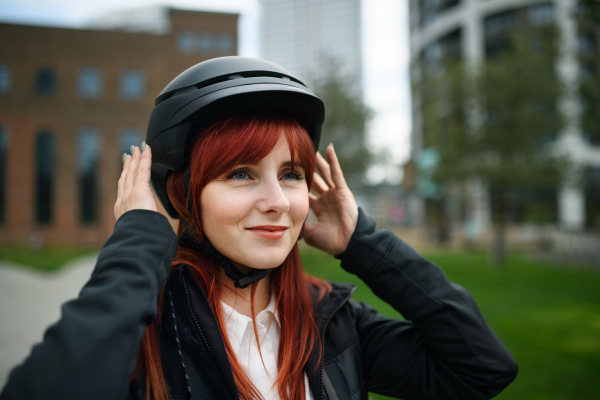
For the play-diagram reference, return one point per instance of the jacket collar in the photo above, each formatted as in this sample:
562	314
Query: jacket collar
197	318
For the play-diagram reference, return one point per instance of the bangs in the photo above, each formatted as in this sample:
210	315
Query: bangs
247	138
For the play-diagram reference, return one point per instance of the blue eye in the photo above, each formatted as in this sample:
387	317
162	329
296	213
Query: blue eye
240	174
292	175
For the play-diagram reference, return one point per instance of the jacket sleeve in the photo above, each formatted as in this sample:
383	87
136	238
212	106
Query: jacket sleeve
445	349
90	353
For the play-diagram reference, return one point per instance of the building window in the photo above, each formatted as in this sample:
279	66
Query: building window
88	159
46	82
587	43
498	29
500	24
187	42
5	79
447	48
132	84
44	177
206	43
128	137
3	155
430	10
90	83
226	43
592	197
541	14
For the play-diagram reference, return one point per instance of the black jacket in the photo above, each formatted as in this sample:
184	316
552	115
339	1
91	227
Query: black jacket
444	350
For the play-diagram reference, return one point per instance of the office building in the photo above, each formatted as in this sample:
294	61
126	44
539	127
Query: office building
304	35
472	30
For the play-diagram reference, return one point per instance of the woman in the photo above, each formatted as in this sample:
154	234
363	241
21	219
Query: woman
224	309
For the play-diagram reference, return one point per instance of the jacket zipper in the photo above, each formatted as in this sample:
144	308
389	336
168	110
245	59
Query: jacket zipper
179	348
323	341
187	295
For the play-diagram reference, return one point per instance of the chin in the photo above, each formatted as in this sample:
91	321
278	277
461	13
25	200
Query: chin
267	259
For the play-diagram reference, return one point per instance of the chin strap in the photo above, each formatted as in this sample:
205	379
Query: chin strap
239	279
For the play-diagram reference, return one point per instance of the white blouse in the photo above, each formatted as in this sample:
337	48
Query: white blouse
241	336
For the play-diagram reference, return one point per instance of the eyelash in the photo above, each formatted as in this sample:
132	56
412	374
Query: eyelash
297	175
246	170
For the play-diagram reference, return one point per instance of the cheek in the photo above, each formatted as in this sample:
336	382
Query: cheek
219	212
299	206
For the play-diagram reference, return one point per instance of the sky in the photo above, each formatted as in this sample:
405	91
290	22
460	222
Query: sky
385	58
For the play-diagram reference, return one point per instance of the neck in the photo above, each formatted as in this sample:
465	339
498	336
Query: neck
240	299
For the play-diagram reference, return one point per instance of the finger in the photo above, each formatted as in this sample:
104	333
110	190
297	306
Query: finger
324	170
314	204
336	171
319	185
130	178
126	165
143	170
121	184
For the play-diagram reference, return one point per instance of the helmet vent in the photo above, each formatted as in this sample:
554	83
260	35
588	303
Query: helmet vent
188	89
223	78
184	90
258	74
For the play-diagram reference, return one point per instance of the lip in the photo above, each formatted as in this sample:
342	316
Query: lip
270	232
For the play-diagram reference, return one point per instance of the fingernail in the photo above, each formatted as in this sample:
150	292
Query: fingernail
331	144
124	157
132	148
143	146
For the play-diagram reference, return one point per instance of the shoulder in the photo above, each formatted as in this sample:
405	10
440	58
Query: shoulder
327	302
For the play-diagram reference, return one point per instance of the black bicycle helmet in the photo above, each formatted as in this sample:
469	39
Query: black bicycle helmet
205	92
215	88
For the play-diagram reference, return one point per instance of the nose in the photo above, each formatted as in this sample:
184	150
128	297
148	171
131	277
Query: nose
273	199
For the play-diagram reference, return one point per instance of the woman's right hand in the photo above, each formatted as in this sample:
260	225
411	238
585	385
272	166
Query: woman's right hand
134	191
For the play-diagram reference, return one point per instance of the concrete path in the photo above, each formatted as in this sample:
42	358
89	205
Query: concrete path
30	302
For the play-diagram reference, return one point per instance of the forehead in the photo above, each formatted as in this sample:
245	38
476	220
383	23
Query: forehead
279	154
281	149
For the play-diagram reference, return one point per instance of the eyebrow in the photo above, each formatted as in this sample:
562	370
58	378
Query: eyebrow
296	164
285	164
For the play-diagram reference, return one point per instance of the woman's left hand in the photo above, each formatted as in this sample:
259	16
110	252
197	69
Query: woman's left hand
333	205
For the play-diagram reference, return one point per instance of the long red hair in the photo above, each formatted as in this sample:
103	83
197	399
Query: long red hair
242	138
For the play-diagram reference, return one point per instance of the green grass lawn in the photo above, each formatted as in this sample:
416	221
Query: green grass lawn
48	259
548	317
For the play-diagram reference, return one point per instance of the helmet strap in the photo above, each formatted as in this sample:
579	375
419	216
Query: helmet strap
240	280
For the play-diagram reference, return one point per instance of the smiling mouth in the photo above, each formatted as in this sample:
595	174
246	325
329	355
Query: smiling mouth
270	232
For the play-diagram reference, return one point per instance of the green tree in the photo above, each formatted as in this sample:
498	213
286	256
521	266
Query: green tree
496	122
346	117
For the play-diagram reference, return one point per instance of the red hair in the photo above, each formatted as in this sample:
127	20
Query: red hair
243	138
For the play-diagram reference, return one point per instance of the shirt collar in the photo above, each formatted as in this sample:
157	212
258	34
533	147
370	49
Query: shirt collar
271	308
236	323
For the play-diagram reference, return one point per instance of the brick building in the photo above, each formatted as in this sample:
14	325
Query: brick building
71	102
